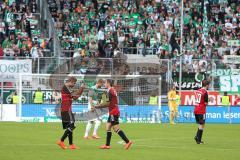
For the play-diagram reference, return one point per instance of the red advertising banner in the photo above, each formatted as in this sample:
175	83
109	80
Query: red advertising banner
187	98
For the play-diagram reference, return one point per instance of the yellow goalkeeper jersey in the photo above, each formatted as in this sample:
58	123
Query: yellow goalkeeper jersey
172	98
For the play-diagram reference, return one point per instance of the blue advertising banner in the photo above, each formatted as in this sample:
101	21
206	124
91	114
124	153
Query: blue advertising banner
143	114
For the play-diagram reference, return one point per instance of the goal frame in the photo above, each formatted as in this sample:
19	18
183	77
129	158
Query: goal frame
19	85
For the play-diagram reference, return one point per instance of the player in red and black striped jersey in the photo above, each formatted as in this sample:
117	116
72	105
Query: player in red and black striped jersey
113	119
201	101
67	116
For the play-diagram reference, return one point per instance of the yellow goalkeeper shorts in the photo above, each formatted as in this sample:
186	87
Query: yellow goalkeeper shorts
173	108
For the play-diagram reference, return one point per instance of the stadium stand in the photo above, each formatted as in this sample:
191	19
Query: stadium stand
151	26
21	33
91	28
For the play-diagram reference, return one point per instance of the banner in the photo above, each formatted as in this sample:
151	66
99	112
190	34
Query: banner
139	114
214	114
188	98
233	43
223	72
48	96
32	119
230	83
8	112
7	96
233	59
9	69
190	81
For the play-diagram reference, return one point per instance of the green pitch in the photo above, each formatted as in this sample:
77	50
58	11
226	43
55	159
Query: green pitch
36	141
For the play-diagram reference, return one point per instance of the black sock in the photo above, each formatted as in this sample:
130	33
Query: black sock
123	136
199	135
109	135
66	133
70	138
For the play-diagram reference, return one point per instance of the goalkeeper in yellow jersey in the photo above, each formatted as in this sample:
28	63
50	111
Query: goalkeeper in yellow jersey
172	104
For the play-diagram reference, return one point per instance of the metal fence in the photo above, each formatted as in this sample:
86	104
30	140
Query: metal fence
133	66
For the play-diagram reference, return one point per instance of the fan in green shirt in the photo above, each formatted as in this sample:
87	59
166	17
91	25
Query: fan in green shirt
36	32
17	31
9	17
91	14
132	23
114	16
88	36
135	15
10	2
76	45
186	19
24	44
165	45
83	42
66	44
19	44
7	43
75	27
125	16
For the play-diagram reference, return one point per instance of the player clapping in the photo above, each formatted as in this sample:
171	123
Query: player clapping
67	116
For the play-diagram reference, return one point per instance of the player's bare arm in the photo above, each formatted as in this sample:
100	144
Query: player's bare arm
78	93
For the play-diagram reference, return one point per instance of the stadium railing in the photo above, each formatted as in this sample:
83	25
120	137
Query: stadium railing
212	69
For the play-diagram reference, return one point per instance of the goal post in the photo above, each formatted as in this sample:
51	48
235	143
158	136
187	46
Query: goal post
134	92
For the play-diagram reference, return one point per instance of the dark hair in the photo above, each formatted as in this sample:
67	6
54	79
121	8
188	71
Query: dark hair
109	81
205	83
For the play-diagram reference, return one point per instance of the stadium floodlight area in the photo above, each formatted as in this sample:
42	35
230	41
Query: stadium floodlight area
132	90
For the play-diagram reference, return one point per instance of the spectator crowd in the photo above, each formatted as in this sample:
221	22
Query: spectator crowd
20	32
96	28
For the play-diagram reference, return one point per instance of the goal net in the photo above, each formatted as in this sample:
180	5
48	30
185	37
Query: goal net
139	97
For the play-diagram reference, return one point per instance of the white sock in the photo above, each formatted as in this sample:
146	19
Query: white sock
88	127
97	124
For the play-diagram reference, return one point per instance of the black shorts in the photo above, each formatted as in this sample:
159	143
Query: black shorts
200	118
114	120
68	119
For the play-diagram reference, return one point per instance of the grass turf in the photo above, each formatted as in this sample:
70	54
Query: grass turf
36	141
